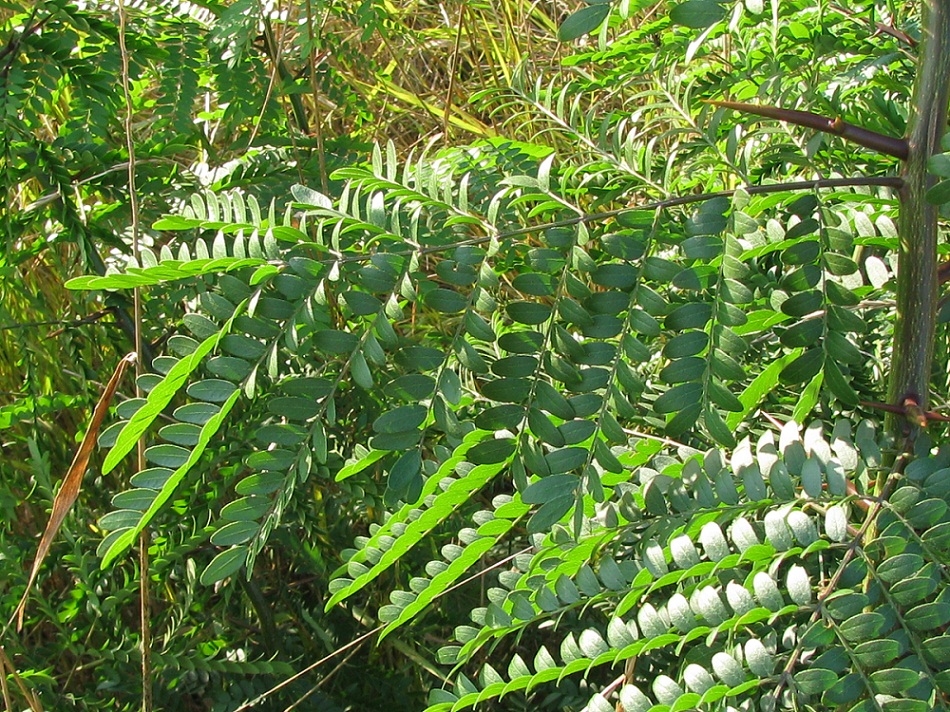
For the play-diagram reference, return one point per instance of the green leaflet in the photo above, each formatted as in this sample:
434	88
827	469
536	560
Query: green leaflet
158	398
445	503
166	271
760	386
361	464
208	430
583	21
223	565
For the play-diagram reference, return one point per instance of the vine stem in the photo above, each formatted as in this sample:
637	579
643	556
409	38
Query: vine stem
894	182
144	602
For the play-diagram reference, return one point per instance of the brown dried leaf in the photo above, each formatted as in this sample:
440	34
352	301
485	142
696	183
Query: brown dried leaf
69	490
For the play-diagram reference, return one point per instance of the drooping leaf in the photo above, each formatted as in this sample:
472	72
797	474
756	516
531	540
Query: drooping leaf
72	481
583	21
157	400
697	14
208	430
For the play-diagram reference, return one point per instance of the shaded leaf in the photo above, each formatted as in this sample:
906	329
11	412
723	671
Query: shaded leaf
583	22
697	14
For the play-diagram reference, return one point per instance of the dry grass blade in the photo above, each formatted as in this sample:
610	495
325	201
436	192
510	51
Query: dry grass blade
6	665
69	490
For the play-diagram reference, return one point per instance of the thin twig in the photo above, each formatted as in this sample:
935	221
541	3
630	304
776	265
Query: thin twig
323	680
881	27
144	603
31	699
374	631
882	182
453	68
63	324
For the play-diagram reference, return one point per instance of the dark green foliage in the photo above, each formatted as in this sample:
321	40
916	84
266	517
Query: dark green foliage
543	345
574	362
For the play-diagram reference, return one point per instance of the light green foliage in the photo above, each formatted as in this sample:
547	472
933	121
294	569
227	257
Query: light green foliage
734	602
229	96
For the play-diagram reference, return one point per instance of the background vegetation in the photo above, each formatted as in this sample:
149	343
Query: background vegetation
483	357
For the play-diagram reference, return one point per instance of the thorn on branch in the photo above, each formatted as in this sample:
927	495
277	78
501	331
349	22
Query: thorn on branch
910	408
943	272
887	145
882	28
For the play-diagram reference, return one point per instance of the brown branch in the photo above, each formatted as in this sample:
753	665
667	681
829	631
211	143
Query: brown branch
13	46
887	145
911	410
